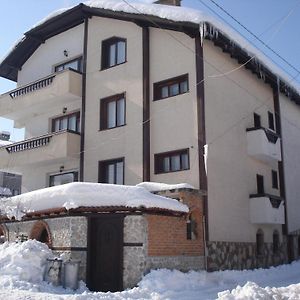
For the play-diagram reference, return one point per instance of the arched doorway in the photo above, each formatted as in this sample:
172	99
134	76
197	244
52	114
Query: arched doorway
41	232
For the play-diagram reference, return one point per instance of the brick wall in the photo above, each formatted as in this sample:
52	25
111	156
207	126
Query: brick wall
167	235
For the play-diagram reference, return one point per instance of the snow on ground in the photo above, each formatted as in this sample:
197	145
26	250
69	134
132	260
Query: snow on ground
22	264
84	194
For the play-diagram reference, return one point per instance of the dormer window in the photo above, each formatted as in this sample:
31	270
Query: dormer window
113	52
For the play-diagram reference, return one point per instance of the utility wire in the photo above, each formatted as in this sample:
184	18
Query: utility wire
254	35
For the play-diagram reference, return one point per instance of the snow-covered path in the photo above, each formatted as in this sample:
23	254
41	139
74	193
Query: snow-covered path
21	268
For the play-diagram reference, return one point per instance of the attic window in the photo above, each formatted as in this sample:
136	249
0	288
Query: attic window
113	52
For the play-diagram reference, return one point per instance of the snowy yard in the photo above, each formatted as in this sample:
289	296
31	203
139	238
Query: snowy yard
22	265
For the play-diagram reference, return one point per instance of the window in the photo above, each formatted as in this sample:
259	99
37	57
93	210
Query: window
75	64
171	87
257	123
260	184
111	171
112	112
274	180
113	52
275	242
66	122
172	161
259	243
191	226
63	178
271	120
298	246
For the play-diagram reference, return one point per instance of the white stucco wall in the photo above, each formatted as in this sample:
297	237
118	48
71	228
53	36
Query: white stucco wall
51	53
290	123
229	108
173	124
125	141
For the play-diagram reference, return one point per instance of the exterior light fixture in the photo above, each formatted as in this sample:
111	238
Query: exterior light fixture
66	54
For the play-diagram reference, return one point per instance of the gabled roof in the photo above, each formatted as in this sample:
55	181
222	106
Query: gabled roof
182	19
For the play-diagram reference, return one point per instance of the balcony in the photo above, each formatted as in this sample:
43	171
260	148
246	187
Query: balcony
266	209
264	145
50	148
27	101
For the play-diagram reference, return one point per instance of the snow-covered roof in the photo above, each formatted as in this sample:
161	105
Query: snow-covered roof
159	187
143	11
83	194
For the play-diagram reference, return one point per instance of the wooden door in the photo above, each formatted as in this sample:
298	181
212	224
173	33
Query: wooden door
105	253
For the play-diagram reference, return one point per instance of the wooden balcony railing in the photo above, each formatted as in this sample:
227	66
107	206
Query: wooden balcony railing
32	87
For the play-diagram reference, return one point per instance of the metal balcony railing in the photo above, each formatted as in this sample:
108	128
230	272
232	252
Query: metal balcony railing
42	83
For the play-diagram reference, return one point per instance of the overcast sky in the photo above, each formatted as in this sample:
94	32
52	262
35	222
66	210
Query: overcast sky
276	22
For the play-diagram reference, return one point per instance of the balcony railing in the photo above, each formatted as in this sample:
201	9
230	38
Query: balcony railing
263	144
32	87
29	144
266	209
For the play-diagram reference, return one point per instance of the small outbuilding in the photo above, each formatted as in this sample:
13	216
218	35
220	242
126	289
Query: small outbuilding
119	233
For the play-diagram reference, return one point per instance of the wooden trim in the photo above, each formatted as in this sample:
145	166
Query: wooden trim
159	156
133	244
62	116
83	103
146	104
158	86
104	163
104	112
201	126
69	248
105	45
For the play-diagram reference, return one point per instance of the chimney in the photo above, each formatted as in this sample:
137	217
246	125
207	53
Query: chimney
169	2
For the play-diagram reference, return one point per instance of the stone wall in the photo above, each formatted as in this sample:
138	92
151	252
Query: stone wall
239	256
135	249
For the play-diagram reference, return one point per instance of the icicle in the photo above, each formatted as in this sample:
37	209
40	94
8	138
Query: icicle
202	32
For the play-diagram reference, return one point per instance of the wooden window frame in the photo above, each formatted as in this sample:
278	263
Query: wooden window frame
104	111
102	169
159	157
158	86
105	52
260	240
275	184
80	63
75	173
271	121
77	114
260	184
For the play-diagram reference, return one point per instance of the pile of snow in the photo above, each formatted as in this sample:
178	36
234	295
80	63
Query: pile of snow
5	143
23	261
159	187
22	268
4	191
83	194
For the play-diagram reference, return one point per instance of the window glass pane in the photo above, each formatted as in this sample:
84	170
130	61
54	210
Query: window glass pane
174	89
112	55
166	164
183	87
62	178
184	161
119	175
59	68
67	178
121	112
72	123
56	125
64	123
72	65
111	173
111	114
165	92
175	163
121	52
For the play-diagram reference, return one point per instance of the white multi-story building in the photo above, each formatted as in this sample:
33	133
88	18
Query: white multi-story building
123	94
